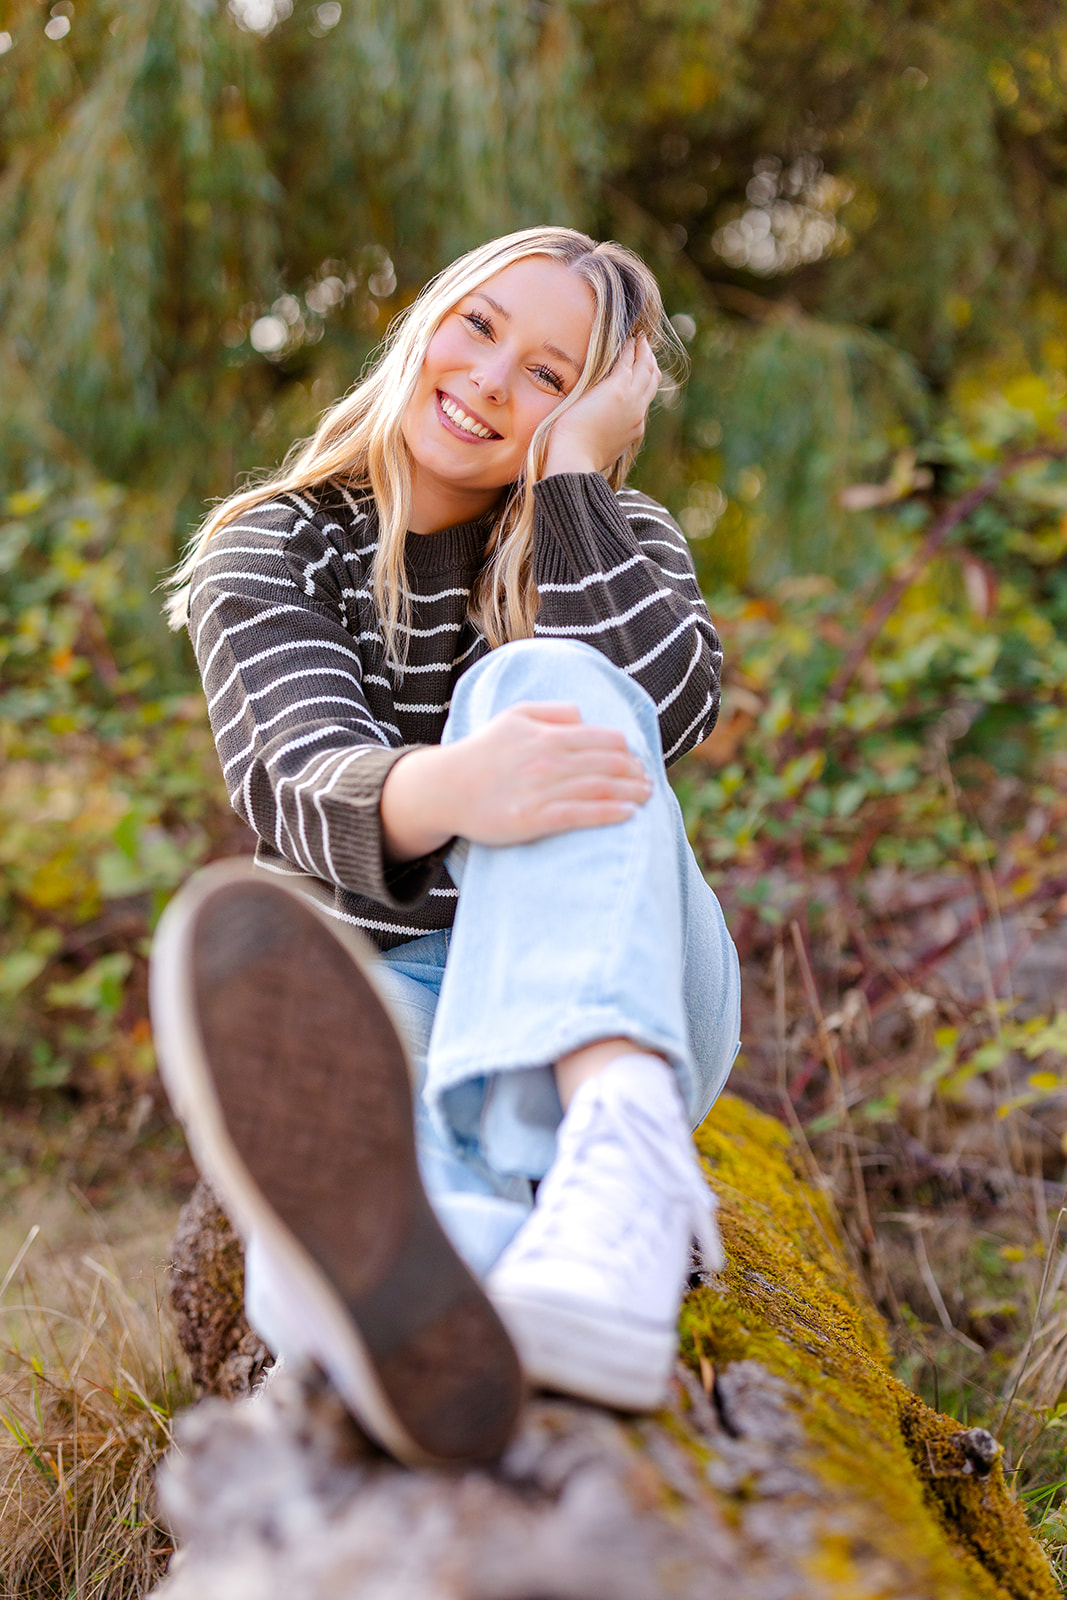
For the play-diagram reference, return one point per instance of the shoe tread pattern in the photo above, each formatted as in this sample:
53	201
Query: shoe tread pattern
314	1089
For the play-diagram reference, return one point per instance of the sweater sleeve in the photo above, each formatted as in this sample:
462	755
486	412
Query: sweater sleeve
303	757
615	571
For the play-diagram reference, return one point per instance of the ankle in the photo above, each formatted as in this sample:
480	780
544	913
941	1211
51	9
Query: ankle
579	1066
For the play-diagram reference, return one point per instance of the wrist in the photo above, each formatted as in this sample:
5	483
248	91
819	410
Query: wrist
568	456
416	804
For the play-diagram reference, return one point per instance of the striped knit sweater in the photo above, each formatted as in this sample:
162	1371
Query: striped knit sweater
309	717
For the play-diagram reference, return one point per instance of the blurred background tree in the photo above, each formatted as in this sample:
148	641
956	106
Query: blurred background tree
208	212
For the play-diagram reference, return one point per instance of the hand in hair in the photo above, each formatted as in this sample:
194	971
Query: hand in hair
534	770
609	417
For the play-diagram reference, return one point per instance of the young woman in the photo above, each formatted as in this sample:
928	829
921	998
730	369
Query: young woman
447	655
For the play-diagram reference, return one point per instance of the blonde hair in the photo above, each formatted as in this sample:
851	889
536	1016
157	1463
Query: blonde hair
359	441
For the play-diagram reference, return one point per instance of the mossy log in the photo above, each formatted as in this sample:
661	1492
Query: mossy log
789	1465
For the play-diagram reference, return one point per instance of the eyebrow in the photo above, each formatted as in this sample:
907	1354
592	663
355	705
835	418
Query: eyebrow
553	349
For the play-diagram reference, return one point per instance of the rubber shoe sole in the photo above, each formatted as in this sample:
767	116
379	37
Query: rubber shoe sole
587	1352
294	1088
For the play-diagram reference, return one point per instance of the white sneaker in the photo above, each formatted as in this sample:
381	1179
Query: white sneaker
591	1286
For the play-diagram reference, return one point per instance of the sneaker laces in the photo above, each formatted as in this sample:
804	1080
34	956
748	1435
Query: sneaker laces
660	1159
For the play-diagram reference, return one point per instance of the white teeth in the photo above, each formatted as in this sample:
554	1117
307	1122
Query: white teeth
461	419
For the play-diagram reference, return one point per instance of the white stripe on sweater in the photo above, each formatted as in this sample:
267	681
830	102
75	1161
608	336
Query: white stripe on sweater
319	797
428	633
316	566
365	720
582	629
249	577
308	672
685	626
237	550
278	649
682	737
590	578
641	515
218	601
294	705
249	622
668	700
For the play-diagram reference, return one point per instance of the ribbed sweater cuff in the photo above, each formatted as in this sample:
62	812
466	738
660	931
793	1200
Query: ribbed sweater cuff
579	528
357	843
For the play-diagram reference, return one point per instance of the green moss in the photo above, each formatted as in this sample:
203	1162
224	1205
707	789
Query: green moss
789	1300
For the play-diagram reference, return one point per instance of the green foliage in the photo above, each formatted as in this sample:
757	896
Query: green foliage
208	212
967	674
869	773
170	180
894	166
853	203
109	792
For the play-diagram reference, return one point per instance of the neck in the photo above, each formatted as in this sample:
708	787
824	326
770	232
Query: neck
436	505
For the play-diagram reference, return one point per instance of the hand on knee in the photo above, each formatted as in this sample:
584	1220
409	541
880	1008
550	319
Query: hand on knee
532	771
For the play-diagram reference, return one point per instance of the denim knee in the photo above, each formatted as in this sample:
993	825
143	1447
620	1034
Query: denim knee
563	669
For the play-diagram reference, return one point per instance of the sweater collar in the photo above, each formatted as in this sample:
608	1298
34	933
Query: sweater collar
459	550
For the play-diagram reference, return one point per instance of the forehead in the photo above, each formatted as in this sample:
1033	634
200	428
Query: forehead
544	302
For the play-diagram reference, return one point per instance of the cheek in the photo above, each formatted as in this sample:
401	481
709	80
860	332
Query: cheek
443	354
530	416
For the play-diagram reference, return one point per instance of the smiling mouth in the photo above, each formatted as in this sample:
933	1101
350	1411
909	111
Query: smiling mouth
460	422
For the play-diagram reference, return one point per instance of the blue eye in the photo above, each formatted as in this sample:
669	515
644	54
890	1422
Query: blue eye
481	324
548	376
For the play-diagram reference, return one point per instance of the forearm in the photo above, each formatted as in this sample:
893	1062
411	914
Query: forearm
533	770
417	803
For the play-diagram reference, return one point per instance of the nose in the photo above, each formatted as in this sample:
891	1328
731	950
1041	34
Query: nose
491	375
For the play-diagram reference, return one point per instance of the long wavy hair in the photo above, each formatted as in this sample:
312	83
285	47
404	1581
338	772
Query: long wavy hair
359	441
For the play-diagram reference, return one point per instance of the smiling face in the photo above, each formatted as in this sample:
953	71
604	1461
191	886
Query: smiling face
502	359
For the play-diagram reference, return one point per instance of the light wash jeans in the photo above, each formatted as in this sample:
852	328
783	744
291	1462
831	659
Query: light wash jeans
597	933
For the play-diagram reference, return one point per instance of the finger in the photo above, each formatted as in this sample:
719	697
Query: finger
565	817
596	787
602	763
608	765
583	737
651	376
549	710
646	355
623	364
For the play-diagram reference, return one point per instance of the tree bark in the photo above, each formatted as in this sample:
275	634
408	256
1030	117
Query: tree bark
789	1463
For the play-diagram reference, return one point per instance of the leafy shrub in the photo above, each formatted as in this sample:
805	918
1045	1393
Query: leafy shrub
109	792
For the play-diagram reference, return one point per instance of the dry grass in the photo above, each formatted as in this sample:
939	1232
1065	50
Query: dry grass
90	1377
